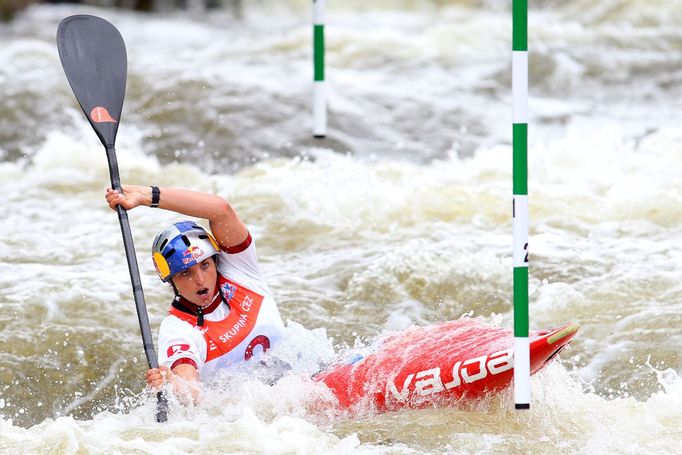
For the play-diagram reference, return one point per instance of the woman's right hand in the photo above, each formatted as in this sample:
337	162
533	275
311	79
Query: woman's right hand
157	377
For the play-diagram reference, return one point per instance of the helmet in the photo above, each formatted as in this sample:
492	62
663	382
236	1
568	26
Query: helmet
179	246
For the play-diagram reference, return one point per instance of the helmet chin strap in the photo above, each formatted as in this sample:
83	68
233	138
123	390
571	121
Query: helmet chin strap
179	302
200	309
200	316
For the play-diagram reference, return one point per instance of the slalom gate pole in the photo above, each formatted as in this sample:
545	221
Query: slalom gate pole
319	89
520	202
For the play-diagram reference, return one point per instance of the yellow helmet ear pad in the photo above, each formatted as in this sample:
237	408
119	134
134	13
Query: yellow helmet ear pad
213	241
161	264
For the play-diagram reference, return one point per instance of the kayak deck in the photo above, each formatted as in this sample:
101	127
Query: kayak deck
438	365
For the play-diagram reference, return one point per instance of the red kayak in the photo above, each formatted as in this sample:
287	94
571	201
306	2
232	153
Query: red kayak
438	366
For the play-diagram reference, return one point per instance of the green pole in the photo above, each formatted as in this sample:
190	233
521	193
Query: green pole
520	202
319	89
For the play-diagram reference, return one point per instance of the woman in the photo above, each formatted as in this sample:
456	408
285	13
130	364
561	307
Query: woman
223	311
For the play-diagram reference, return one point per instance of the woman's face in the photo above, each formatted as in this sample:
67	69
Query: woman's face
197	284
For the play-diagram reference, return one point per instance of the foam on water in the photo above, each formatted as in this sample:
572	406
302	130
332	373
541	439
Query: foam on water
389	267
290	416
401	217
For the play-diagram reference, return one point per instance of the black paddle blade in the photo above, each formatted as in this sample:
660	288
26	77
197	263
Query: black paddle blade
94	59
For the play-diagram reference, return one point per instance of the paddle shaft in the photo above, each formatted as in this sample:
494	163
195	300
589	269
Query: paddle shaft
138	294
133	268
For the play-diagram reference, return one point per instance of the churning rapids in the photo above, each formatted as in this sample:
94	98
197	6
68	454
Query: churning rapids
401	216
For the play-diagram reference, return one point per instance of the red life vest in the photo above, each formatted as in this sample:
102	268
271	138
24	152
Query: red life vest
225	335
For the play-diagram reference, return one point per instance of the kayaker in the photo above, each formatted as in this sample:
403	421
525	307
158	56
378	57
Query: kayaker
223	311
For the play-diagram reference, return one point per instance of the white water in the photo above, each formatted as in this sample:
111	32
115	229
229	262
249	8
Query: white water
402	216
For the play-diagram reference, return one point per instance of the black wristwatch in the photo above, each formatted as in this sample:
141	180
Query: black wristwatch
156	195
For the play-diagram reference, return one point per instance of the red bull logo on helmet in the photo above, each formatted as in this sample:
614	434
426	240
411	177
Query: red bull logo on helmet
192	254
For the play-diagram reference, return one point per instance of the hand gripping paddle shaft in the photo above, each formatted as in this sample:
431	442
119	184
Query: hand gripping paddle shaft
94	59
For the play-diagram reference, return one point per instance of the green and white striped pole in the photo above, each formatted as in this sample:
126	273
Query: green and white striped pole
520	202
319	95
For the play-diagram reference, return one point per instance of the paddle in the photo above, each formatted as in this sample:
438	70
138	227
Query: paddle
94	59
